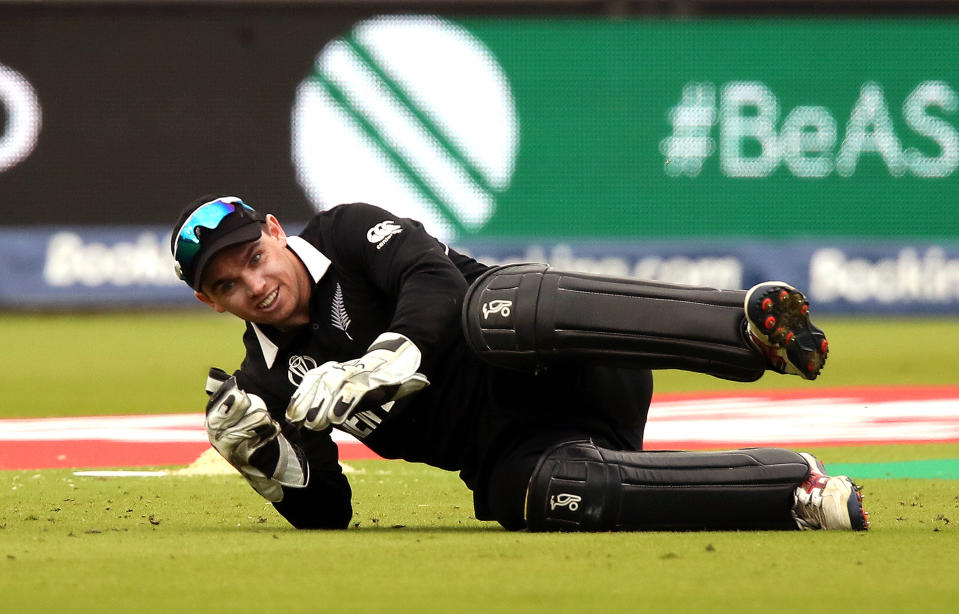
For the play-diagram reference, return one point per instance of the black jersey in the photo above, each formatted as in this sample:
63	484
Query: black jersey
374	272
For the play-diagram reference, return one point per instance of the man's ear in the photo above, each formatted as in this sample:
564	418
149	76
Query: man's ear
274	229
203	298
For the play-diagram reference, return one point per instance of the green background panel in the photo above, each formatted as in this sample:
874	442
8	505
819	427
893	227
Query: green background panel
594	97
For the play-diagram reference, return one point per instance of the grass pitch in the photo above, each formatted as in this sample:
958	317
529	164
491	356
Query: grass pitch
199	544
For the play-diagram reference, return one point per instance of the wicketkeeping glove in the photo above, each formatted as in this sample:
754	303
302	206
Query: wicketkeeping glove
238	426
332	392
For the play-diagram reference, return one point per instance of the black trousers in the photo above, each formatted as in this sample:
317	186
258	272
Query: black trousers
606	404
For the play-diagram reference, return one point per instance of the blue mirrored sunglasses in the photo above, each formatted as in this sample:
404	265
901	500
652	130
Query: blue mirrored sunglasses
206	216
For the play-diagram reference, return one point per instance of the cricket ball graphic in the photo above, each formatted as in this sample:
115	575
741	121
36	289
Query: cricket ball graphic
411	113
18	101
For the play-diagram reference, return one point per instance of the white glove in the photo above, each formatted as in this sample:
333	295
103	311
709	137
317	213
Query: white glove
330	393
238	425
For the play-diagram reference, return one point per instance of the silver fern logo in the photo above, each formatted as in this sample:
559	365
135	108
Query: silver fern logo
414	111
338	316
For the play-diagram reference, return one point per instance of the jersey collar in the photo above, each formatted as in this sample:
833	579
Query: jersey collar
314	260
268	348
316	264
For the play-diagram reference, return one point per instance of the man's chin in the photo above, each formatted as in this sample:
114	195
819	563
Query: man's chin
275	318
269	320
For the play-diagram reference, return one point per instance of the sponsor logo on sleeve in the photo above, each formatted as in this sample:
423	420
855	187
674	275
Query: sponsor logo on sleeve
381	233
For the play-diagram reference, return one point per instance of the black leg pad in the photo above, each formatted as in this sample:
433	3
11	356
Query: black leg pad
529	316
579	486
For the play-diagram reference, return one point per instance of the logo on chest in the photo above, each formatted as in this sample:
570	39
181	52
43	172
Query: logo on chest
339	318
299	365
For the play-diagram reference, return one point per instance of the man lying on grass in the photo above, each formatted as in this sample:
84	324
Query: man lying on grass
534	384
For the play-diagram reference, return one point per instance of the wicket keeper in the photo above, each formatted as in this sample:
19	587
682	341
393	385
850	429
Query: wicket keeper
534	384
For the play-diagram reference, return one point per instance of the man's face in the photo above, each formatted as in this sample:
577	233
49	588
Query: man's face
260	281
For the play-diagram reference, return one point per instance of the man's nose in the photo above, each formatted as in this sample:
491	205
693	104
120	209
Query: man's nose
255	283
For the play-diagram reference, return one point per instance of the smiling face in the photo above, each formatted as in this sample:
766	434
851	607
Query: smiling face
261	281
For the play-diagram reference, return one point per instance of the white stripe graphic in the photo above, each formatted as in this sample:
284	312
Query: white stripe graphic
471	204
162	428
456	80
321	171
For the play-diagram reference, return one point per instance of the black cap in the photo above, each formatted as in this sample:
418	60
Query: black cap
241	226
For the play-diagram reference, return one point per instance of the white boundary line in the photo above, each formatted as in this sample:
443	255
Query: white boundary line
711	421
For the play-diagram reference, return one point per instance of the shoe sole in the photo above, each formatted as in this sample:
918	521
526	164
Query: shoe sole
858	516
843	487
778	315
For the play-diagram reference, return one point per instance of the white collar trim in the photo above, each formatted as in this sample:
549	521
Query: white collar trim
316	264
268	348
314	260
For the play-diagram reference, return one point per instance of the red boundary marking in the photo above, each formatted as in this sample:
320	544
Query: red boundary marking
731	445
95	454
877	393
98	454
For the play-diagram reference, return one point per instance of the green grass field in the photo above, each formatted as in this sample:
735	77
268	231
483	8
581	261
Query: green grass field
107	364
209	543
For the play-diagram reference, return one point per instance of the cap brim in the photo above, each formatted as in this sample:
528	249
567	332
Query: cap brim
243	234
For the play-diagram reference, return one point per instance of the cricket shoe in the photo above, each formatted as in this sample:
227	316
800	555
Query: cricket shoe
777	323
828	502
